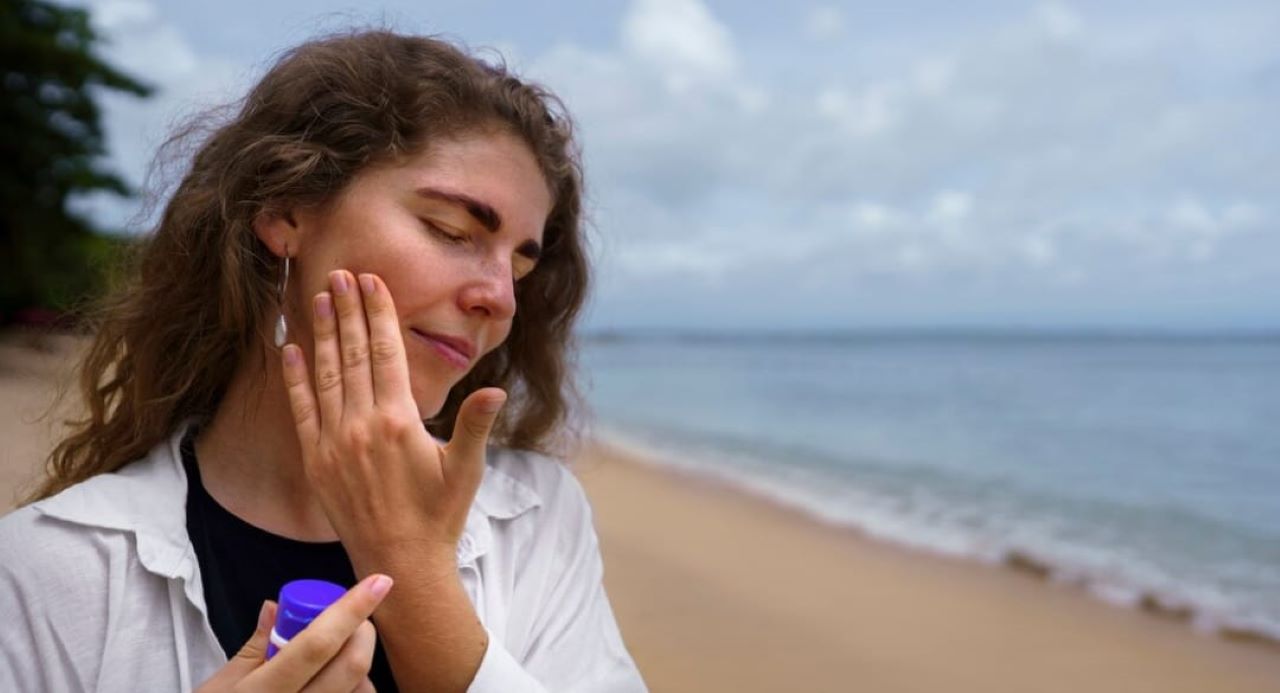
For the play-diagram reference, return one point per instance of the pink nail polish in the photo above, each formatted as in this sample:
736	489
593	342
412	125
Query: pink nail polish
324	306
380	586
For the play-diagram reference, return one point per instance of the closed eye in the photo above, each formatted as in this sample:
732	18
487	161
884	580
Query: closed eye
440	232
523	266
527	255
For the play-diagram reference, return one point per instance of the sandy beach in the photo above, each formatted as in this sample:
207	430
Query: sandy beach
719	591
31	370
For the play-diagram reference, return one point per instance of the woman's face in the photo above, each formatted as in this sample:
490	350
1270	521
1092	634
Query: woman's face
450	231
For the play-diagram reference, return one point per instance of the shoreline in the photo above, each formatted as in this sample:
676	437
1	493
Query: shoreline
1021	560
719	589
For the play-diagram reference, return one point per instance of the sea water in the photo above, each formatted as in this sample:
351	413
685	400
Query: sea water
1146	469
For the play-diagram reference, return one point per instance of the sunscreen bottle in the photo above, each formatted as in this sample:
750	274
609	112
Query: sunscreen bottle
301	601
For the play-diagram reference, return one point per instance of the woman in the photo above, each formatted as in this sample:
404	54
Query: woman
387	235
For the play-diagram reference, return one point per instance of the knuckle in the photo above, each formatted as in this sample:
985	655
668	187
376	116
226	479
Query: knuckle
373	305
383	351
392	427
355	661
327	379
356	438
355	354
476	428
303	412
317	649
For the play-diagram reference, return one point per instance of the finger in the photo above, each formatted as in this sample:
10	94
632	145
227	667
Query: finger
302	400
251	656
328	367
386	345
309	651
353	337
366	686
350	666
464	463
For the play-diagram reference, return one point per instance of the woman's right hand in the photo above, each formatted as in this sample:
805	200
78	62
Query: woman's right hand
332	654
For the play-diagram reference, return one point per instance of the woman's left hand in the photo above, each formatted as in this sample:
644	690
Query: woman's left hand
389	489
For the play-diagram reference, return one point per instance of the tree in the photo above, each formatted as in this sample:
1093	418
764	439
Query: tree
50	143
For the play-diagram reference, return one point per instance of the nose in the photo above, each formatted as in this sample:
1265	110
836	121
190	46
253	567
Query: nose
491	292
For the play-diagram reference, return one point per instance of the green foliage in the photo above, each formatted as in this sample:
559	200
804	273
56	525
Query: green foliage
51	141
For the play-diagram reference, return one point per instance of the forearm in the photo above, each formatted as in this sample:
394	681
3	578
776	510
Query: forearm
429	628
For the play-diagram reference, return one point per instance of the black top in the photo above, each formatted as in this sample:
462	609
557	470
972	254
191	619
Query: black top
243	565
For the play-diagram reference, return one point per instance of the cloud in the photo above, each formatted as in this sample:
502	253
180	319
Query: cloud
951	206
873	217
824	23
679	38
1043	152
140	41
863	114
114	15
1059	20
1052	159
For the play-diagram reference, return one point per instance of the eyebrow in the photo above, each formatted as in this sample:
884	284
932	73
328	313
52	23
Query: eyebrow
481	212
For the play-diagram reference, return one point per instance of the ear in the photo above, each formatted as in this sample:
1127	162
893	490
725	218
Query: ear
278	231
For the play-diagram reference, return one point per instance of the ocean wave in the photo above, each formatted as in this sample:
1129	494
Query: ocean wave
1159	559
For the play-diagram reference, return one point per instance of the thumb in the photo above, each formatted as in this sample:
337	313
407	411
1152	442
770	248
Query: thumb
471	430
254	652
250	657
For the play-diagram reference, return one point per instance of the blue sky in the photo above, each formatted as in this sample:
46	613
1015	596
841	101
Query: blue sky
790	165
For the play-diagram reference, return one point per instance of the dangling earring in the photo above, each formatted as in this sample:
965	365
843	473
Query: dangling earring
282	327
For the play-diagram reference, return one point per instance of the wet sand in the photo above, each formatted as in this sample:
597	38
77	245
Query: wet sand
719	591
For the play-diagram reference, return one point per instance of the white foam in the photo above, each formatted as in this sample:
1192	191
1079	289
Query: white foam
923	520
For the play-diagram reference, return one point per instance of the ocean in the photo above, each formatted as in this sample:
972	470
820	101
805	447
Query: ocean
1143	469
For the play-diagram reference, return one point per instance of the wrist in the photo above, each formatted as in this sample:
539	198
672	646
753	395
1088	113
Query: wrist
430	561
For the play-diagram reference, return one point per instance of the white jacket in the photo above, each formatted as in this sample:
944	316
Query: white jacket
100	588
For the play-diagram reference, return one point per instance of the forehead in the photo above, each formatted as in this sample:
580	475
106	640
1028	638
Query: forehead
496	169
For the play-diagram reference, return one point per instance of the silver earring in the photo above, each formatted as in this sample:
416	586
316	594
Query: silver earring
282	327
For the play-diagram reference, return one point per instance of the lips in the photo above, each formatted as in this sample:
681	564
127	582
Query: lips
456	350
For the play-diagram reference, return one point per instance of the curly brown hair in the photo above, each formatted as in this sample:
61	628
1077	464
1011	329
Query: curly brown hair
169	340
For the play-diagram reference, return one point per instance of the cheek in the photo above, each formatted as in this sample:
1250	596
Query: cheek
500	334
417	276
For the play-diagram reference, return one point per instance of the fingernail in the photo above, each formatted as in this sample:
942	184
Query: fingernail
324	305
264	616
380	586
493	404
366	284
339	279
292	354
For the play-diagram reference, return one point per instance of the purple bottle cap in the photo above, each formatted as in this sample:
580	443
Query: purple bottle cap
300	602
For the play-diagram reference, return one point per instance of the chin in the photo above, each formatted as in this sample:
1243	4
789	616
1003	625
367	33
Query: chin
430	393
430	410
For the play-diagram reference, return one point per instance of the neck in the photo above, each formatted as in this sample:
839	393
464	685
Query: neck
250	459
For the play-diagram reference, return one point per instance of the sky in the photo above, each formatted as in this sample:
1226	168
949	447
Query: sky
789	166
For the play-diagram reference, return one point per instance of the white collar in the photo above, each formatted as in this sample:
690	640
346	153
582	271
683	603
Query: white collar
148	498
